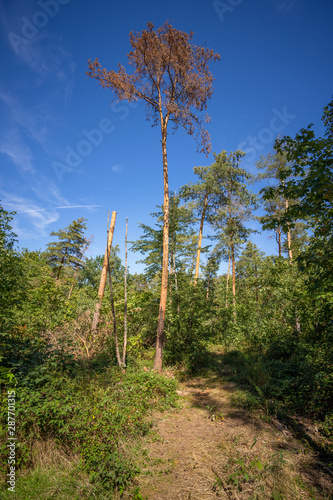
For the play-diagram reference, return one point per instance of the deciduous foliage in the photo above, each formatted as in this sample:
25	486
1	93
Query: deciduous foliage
309	177
10	269
171	75
309	182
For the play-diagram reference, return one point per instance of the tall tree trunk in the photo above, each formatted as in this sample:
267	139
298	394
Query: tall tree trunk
233	270
228	276
113	308
125	298
290	253
164	285
197	265
233	276
103	274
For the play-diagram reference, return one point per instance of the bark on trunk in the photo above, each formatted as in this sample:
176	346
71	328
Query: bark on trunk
125	298
290	253
233	280
103	274
113	309
197	264
164	285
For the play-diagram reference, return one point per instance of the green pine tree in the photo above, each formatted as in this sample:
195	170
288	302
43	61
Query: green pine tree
69	249
235	209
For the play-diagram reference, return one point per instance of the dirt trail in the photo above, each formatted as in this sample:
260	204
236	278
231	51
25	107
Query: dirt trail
212	449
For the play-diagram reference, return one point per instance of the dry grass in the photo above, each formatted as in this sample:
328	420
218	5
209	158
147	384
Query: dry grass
53	474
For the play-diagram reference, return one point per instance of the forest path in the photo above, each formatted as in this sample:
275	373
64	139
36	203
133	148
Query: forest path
210	448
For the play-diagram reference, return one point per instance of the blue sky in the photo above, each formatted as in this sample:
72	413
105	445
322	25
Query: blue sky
65	152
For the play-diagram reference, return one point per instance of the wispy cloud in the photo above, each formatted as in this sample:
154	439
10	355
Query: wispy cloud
19	153
37	223
32	220
47	193
34	124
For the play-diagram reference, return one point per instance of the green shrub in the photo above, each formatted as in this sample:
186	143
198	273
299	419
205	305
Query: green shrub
88	411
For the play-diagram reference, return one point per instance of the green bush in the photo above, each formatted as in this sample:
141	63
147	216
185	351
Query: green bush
88	410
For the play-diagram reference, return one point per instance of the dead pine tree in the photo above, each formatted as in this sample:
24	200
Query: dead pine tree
103	273
171	75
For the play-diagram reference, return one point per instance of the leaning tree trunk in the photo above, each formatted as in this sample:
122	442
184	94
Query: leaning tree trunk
164	285
103	274
197	264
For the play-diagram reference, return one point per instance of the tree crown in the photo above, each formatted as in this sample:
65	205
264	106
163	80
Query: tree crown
171	75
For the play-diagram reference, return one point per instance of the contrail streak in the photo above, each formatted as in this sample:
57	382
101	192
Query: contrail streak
58	208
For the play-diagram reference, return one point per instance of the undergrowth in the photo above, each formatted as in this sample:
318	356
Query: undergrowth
88	410
288	378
